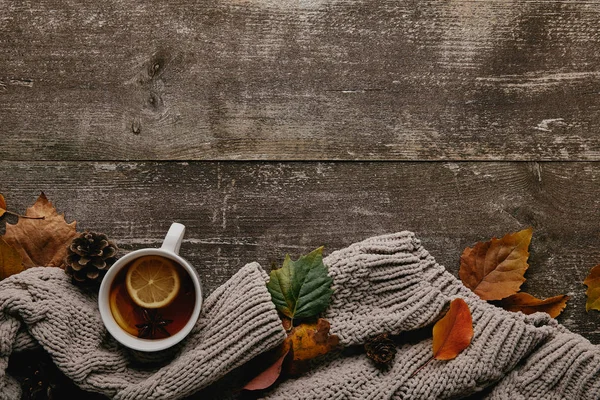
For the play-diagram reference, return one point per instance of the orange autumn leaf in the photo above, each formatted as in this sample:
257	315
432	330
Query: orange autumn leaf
312	340
304	342
269	376
453	333
41	242
2	205
593	291
494	269
529	304
10	260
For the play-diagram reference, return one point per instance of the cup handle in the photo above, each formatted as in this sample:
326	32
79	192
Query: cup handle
174	238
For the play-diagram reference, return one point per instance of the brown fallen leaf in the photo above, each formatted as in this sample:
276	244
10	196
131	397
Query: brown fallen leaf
593	291
10	260
494	270
269	376
529	304
41	242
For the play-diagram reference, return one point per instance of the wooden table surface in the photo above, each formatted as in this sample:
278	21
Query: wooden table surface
274	126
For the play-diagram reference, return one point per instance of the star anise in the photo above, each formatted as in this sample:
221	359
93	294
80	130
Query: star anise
153	324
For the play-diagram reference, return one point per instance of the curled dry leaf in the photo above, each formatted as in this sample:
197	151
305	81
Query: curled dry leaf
494	270
453	333
269	376
10	260
41	242
309	341
593	291
529	304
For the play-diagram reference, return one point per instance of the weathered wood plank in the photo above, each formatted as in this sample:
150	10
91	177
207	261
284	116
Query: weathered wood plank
241	212
287	80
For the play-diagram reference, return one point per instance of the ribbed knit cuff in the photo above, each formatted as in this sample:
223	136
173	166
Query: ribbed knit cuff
379	286
238	322
565	367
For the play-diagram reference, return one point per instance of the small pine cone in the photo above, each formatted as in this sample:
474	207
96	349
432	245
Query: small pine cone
37	376
89	256
381	349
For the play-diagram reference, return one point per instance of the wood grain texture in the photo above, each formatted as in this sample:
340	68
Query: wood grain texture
290	80
241	212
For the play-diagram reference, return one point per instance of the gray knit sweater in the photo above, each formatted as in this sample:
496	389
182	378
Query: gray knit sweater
387	283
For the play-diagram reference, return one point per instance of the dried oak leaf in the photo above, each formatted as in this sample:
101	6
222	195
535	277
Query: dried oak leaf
41	242
309	341
494	269
593	291
11	261
269	376
453	333
529	304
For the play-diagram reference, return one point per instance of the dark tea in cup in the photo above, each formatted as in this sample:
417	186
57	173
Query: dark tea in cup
152	297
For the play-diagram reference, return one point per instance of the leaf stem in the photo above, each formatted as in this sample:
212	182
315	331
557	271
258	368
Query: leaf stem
23	216
421	367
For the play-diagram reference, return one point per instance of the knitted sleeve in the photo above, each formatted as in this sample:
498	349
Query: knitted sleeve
238	322
392	284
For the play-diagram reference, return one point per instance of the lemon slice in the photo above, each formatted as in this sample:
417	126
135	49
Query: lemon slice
123	310
152	281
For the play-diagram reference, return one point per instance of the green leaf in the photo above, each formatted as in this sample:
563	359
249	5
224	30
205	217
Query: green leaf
302	288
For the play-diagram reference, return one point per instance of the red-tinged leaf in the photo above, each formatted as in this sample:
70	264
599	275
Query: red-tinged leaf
593	291
494	270
269	376
2	205
529	304
453	333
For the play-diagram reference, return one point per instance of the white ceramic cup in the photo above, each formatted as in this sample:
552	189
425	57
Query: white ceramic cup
170	250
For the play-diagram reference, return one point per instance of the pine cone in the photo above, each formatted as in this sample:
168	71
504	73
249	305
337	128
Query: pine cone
89	256
381	349
41	379
38	384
